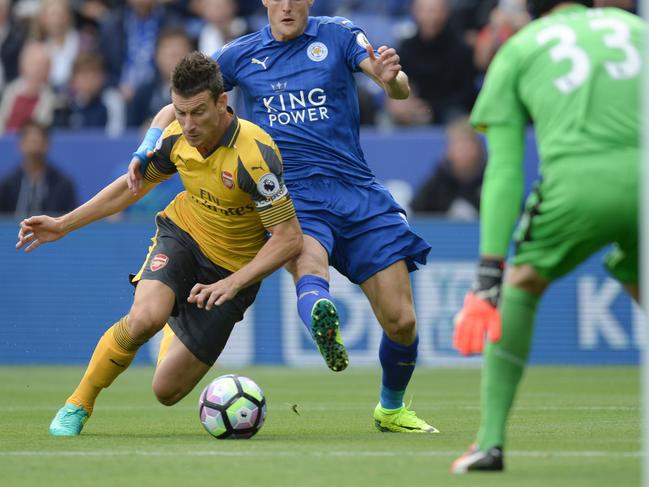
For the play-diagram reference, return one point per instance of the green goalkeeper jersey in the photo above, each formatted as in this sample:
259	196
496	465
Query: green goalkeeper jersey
575	74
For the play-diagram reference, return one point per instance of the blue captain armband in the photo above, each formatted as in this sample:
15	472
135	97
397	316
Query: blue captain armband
148	144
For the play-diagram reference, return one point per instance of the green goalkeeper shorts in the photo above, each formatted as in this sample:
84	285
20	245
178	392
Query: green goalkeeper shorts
580	206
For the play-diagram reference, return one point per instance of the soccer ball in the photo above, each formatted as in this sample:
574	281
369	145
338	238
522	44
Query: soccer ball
232	406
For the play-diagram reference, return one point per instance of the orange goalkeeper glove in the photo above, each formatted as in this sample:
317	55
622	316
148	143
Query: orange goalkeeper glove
479	315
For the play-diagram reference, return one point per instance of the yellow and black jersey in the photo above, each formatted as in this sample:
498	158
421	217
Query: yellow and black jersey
230	196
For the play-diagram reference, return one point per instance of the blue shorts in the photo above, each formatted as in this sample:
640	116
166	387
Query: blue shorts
362	228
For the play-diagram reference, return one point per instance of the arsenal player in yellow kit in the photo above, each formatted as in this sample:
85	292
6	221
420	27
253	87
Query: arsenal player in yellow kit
233	225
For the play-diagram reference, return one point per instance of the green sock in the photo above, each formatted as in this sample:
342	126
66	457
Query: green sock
504	363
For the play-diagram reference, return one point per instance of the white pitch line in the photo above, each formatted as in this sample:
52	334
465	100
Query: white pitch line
290	453
337	407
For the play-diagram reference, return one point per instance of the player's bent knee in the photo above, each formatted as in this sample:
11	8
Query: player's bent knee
143	324
402	329
525	277
168	400
168	396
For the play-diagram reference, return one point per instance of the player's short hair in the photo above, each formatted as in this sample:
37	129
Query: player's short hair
541	7
195	73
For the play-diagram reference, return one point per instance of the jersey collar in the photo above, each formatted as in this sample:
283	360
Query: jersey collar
568	8
311	31
230	135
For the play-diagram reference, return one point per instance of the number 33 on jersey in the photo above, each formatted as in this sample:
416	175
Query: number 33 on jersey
569	71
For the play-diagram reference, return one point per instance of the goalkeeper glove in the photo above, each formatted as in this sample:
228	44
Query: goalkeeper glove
479	315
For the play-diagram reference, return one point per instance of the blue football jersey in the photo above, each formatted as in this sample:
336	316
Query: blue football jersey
303	93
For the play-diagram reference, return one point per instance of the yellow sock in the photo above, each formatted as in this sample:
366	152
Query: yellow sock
114	352
167	335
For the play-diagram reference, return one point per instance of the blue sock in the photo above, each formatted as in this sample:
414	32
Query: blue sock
309	290
398	362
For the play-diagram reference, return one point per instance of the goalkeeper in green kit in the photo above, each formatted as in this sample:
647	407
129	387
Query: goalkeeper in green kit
575	73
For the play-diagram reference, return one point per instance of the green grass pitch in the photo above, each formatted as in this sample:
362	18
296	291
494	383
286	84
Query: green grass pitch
570	426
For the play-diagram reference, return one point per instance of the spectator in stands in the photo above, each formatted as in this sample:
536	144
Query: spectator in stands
89	15
128	40
470	16
29	96
35	186
412	111
439	62
88	103
453	189
94	10
507	18
12	38
382	7
172	45
221	24
55	27
250	7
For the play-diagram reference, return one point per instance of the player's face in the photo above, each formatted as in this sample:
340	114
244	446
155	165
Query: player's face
287	18
201	117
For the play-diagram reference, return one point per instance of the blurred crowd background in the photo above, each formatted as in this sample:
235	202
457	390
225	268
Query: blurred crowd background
105	65
80	78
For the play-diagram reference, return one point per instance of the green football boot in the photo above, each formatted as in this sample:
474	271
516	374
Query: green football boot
325	328
402	420
68	421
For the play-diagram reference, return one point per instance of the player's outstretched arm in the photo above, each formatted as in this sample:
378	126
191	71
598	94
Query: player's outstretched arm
284	244
144	152
385	70
499	208
37	230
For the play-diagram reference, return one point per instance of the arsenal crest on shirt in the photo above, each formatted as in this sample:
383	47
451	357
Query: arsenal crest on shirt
227	179
158	262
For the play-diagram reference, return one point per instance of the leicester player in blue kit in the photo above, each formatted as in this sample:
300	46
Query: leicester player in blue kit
296	76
